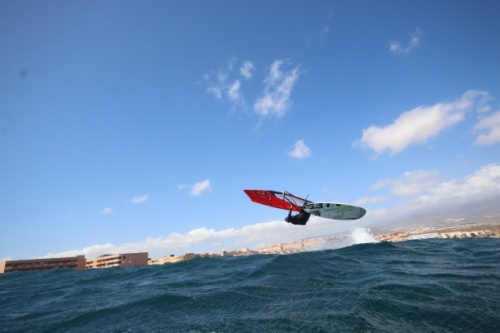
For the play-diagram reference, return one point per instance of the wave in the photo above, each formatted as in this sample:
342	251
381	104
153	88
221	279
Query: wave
418	285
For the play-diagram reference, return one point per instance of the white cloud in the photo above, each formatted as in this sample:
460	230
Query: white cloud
318	36
370	200
396	47
300	150
323	32
470	191
215	90
278	87
200	187
481	189
227	84
410	183
234	92
247	70
201	240
139	199
420	124
483	184
223	84
107	211
491	125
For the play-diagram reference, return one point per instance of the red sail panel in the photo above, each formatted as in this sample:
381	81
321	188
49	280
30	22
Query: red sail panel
282	200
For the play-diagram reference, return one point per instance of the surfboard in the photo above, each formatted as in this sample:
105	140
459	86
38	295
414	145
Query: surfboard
335	211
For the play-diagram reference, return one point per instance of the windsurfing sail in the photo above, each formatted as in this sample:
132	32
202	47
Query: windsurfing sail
282	200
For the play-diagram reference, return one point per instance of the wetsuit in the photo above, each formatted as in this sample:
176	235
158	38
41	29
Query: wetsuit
300	218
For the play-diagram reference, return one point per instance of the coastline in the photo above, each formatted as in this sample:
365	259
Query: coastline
479	230
397	234
358	236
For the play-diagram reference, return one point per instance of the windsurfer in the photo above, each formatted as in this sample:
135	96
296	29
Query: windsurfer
300	218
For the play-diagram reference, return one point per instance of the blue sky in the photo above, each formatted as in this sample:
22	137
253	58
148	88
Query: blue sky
135	126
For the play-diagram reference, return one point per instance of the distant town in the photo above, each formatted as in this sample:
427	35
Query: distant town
79	262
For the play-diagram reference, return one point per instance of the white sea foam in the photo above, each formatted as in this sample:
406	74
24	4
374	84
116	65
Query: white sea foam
356	236
362	236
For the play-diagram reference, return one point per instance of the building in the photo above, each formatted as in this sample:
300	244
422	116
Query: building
118	260
170	259
167	259
77	263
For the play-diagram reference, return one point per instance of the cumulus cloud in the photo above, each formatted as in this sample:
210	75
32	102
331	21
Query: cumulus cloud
255	236
481	186
107	211
420	124
490	125
215	90
234	92
224	84
397	48
247	69
200	187
278	87
139	199
410	183
300	150
370	200
480	189
229	84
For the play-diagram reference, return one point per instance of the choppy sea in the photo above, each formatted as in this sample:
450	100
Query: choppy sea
433	285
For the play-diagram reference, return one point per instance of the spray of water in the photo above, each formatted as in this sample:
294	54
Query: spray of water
362	236
357	236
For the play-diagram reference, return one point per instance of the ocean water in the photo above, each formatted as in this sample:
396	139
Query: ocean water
433	285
